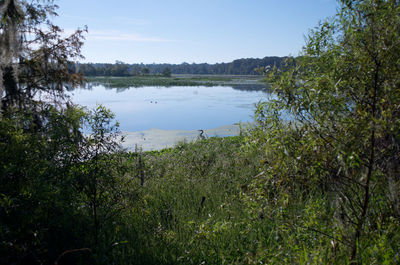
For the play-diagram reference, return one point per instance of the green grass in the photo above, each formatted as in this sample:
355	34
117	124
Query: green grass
212	202
156	80
197	207
189	191
141	81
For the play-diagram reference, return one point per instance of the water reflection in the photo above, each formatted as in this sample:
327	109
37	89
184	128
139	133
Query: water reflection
173	108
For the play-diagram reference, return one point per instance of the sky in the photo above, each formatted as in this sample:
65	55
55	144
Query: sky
192	31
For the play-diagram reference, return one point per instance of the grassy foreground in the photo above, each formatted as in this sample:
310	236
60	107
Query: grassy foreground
211	202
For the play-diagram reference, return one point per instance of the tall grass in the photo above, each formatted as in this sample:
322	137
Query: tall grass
196	206
212	202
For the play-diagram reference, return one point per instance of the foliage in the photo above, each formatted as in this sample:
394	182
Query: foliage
99	176
38	64
237	67
59	187
56	182
166	72
340	138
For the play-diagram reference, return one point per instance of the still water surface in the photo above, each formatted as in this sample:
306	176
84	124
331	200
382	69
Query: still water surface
173	108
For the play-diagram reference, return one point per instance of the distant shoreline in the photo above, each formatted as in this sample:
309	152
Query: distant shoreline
238	82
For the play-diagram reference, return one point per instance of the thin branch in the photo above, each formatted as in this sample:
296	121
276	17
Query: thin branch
71	251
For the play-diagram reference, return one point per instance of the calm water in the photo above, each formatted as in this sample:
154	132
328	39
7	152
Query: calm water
173	108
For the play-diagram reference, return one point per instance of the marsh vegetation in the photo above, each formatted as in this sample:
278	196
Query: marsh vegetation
255	82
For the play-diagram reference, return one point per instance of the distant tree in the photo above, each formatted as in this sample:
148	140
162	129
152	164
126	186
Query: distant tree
166	72
145	71
119	69
241	67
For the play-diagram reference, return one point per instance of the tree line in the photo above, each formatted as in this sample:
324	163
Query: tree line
249	66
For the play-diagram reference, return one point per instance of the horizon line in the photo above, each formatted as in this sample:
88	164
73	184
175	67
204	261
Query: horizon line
120	61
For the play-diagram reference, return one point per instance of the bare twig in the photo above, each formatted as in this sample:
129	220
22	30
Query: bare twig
71	251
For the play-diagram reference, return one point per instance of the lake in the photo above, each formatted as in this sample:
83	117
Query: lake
173	108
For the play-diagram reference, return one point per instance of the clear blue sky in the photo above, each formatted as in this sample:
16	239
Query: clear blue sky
176	31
